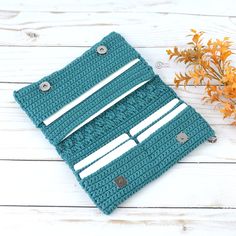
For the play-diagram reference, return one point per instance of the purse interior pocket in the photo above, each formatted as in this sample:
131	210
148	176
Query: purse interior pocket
114	181
125	142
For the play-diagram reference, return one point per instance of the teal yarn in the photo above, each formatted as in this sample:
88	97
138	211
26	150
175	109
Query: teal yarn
146	162
117	120
141	164
76	78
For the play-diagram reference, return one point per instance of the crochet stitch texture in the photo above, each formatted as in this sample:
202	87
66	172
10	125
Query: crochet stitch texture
141	164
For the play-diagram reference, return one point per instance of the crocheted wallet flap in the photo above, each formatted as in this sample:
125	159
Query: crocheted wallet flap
116	124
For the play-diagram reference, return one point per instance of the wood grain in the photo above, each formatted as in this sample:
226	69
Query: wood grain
200	7
50	183
84	29
38	192
63	221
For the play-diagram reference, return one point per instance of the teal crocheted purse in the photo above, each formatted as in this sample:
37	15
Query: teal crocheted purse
113	121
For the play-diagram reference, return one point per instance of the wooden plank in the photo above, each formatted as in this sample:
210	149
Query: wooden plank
199	7
73	29
190	222
29	64
44	183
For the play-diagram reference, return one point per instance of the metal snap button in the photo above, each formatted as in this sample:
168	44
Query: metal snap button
101	49
212	139
44	86
182	137
120	181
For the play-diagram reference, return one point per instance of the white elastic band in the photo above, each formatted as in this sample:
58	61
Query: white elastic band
101	152
108	158
161	122
157	114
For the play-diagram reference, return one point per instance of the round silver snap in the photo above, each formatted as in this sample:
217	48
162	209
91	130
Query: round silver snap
44	86
101	49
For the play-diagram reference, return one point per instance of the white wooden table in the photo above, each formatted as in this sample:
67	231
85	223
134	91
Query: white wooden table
38	193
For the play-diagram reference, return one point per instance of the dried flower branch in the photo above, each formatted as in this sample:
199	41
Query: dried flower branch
209	65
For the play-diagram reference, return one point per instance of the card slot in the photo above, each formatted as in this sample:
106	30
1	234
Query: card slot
113	145
141	137
161	122
159	139
89	92
101	152
105	160
156	115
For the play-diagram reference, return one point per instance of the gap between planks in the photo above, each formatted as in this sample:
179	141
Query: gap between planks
39	221
45	29
164	7
120	207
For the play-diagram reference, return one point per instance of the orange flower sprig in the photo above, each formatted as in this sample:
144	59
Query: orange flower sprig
208	64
